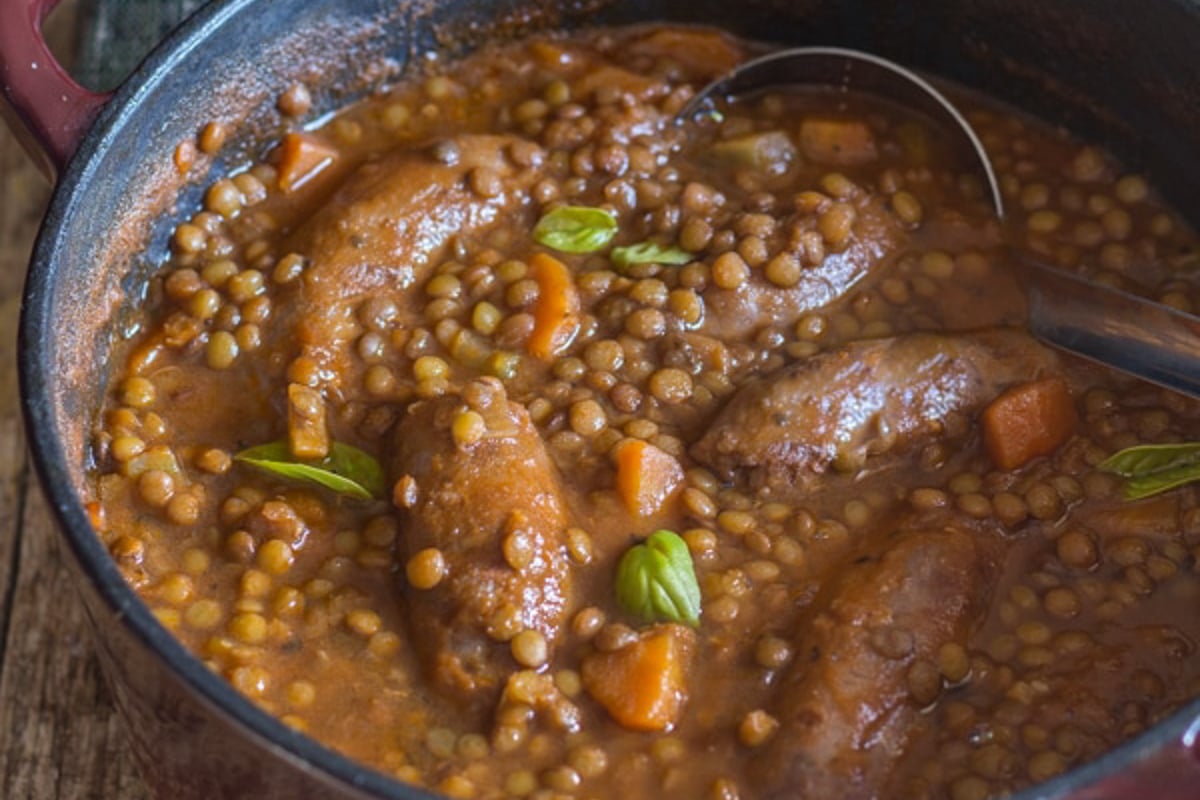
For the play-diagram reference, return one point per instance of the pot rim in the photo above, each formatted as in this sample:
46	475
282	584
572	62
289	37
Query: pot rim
36	351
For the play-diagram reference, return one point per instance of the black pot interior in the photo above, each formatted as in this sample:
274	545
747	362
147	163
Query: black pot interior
1129	81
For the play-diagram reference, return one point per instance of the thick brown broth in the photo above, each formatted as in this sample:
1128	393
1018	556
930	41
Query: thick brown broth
885	611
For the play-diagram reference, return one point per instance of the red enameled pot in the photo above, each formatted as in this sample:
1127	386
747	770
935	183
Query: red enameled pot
1126	77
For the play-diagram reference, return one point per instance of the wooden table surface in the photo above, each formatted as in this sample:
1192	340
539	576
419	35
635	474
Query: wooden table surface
60	738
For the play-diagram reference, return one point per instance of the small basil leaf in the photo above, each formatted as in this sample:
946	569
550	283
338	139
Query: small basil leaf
576	229
656	581
649	253
1136	462
1161	481
346	470
1155	468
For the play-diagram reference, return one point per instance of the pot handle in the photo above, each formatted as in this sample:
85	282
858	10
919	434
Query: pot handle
43	105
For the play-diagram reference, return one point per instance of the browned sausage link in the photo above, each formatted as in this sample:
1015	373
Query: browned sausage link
480	490
846	710
868	398
872	242
388	225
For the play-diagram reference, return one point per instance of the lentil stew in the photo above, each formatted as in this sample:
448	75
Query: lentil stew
594	455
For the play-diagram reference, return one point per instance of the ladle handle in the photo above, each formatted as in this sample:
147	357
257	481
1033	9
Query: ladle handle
1142	338
43	105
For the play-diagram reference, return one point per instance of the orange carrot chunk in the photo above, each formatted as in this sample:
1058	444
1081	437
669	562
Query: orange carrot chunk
302	158
1028	421
308	433
647	477
643	685
837	142
556	311
95	512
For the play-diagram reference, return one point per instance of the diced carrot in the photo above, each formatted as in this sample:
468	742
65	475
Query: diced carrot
308	435
550	54
1029	420
95	512
643	685
556	311
302	158
647	477
837	142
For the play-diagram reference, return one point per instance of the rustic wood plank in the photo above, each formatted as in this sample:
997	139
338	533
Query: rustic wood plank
13	471
119	33
23	194
60	738
22	197
67	742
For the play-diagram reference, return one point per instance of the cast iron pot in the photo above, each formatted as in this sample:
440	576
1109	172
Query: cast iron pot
1126	77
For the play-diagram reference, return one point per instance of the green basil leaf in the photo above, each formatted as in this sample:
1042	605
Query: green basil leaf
1161	481
346	470
1155	468
1136	462
656	580
576	229
649	253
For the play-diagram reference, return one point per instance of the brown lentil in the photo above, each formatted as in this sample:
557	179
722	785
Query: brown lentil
426	569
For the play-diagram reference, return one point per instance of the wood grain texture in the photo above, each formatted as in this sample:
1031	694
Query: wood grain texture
60	738
117	34
65	740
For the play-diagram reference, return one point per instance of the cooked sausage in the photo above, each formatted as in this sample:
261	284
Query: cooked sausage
386	228
868	398
873	241
488	499
845	710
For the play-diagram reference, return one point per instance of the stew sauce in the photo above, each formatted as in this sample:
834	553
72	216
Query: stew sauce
529	322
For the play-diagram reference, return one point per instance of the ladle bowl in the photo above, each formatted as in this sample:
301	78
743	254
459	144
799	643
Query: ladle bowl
1130	333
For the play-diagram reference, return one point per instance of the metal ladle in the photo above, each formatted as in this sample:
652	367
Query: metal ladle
1115	328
